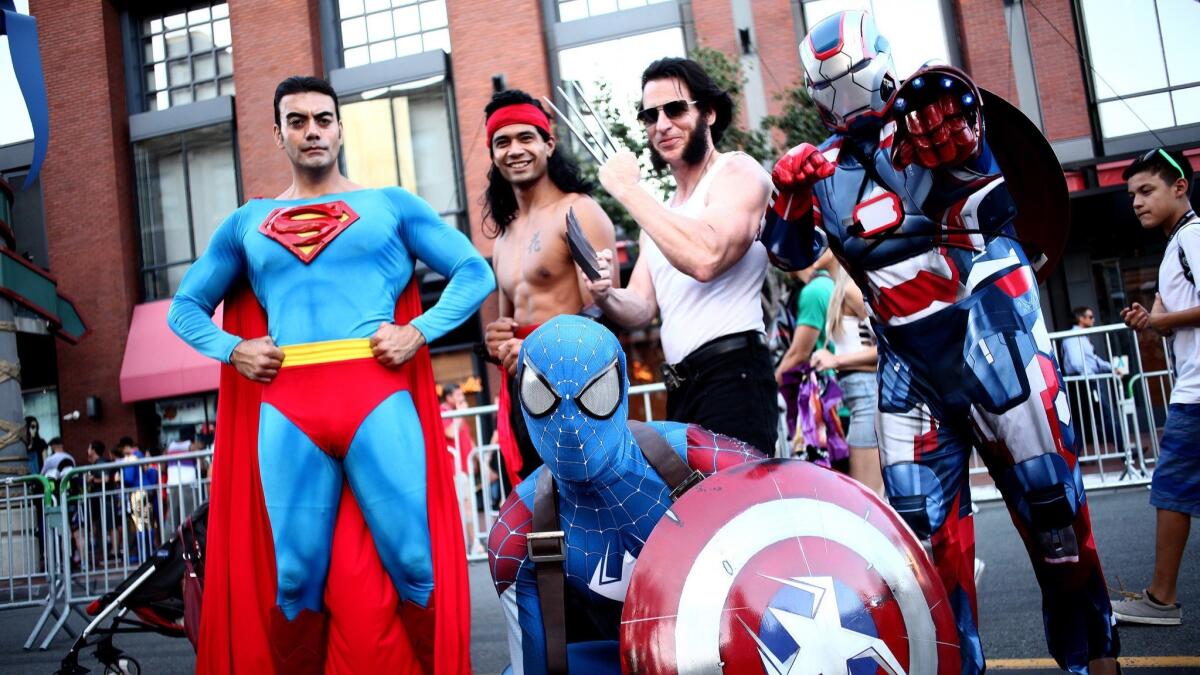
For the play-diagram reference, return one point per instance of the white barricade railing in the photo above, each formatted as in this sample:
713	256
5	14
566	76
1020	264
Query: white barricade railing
1117	416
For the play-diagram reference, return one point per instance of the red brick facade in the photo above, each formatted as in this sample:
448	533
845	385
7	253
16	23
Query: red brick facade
88	200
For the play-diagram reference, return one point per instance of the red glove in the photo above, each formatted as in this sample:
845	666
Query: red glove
794	175
935	135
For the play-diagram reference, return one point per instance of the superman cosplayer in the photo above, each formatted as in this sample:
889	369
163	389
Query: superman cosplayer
329	271
572	389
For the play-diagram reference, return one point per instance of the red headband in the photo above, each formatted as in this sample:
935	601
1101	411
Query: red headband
521	113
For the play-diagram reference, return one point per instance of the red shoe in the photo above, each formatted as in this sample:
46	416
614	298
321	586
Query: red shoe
419	624
298	645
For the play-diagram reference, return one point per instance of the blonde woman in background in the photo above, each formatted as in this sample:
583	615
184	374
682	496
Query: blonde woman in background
854	358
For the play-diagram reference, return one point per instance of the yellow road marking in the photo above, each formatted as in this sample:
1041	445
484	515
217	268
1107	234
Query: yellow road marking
1126	662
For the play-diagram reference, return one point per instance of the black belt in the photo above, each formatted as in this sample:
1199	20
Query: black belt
674	376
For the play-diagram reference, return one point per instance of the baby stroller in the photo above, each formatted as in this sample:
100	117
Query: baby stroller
162	596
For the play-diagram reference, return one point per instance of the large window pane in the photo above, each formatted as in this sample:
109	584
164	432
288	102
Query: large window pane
571	10
184	50
370	152
1138	48
1125	47
620	63
379	30
400	136
1180	21
1136	115
186	186
915	29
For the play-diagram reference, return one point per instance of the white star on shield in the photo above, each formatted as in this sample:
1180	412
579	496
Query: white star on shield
825	646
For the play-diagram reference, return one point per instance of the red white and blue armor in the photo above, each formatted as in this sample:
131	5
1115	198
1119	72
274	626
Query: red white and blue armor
908	195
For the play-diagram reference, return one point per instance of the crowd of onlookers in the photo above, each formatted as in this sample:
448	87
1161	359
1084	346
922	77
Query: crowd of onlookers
118	514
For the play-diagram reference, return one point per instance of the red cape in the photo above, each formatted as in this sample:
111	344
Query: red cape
365	632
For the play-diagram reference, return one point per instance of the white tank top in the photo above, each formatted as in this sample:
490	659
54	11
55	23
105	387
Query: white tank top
693	312
855	336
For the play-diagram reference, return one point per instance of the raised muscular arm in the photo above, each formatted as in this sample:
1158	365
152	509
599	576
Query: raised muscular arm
704	247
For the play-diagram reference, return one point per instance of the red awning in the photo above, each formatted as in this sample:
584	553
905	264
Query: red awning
158	364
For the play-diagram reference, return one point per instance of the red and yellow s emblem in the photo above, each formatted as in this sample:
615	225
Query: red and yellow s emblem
306	230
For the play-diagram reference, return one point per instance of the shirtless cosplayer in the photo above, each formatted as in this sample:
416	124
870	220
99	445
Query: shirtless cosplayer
531	186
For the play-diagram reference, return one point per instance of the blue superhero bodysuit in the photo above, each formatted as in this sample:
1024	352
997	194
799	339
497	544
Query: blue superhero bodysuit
328	271
573	390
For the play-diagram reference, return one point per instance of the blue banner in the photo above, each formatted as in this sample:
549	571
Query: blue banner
27	64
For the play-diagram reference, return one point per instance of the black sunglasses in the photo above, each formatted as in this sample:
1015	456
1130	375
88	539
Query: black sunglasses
673	109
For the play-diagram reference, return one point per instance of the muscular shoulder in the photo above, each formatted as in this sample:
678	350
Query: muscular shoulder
743	168
507	551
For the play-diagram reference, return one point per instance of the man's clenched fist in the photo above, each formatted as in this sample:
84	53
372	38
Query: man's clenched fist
392	345
257	360
794	175
935	135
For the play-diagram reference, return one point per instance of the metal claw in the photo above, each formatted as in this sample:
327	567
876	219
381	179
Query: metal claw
578	134
588	106
608	153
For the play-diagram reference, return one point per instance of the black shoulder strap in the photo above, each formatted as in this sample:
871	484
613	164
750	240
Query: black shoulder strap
547	549
546	542
676	473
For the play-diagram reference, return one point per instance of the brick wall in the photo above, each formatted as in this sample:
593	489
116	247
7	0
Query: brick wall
986	55
775	32
1059	73
490	38
272	41
88	198
983	36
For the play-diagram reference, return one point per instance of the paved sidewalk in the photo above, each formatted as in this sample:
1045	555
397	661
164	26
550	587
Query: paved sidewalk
1009	605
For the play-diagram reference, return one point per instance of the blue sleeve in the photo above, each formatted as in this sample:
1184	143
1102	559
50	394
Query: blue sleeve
1072	356
204	287
449	253
529	612
1099	365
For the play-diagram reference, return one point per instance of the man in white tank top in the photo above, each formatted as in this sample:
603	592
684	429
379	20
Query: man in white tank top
701	267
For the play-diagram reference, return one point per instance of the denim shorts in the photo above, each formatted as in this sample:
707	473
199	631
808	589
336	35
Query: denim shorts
1176	483
860	395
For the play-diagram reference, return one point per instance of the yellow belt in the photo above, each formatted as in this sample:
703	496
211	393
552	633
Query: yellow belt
309	353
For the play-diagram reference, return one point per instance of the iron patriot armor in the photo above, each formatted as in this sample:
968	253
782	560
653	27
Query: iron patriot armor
909	196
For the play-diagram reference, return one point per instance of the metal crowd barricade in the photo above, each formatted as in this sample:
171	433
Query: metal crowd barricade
30	548
1118	415
108	519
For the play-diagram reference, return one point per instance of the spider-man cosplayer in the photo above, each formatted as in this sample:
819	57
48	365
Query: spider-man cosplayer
573	389
328	272
910	198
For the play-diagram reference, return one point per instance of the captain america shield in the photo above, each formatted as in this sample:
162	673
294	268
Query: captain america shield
780	566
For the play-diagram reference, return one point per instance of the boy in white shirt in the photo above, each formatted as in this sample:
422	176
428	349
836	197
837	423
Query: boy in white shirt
1159	183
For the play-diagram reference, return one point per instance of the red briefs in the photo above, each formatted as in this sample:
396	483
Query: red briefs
329	401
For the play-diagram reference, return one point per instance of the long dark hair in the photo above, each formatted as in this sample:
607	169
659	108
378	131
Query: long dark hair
708	96
499	201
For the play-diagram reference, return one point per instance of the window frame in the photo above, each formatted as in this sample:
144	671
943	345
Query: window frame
1140	140
134	61
155	124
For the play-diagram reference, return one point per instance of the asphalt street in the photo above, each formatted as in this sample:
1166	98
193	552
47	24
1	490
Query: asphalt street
1009	605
